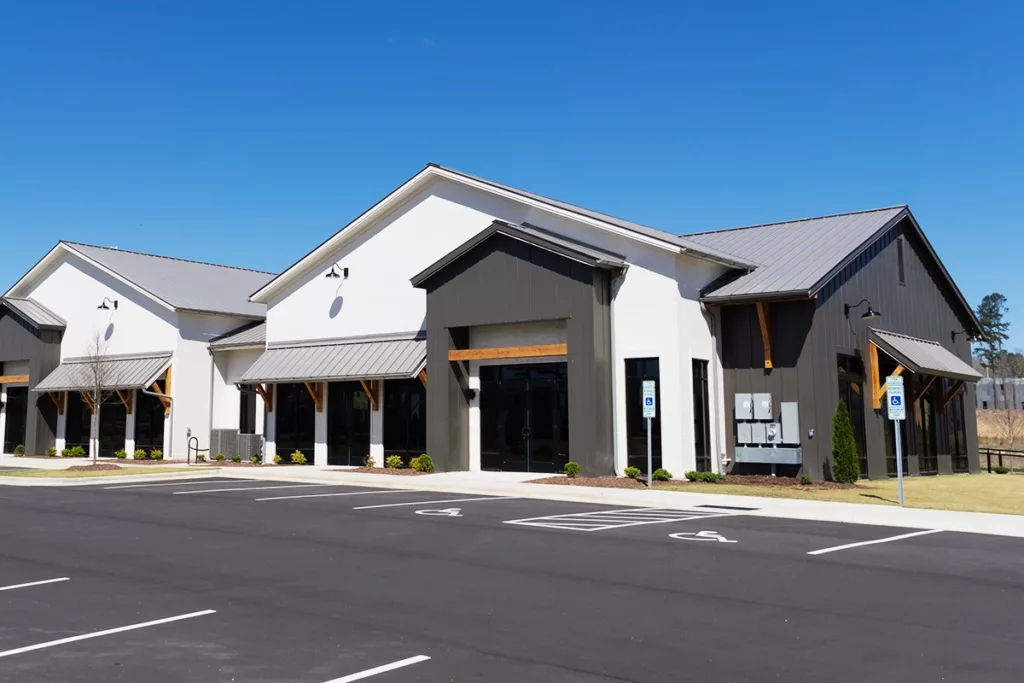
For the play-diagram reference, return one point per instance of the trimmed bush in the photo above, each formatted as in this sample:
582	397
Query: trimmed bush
220	457
1001	470
424	463
368	461
632	472
393	462
693	475
254	459
156	454
78	452
805	480
200	457
661	474
236	458
121	454
19	449
278	460
298	458
845	466
572	468
139	454
51	451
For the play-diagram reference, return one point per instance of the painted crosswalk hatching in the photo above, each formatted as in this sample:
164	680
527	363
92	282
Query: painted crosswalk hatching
615	519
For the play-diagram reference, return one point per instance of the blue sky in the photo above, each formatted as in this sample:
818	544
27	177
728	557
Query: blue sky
247	132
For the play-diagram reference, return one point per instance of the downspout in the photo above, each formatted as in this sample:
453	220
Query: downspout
719	406
170	427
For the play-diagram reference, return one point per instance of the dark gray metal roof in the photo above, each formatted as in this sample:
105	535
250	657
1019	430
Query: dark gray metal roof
184	285
118	372
923	356
35	313
796	257
388	357
563	246
252	334
698	249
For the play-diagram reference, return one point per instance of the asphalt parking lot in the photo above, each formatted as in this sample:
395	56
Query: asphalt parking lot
238	580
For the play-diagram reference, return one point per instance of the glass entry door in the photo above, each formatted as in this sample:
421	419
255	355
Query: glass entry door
113	417
17	418
348	424
524	417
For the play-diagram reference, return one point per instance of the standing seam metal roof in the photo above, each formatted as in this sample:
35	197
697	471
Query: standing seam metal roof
34	312
251	334
924	356
795	256
119	372
184	285
386	358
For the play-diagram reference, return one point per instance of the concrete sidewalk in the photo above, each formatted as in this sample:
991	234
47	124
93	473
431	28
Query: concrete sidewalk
518	484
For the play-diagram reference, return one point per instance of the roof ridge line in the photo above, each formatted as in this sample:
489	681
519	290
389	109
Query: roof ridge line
795	220
169	258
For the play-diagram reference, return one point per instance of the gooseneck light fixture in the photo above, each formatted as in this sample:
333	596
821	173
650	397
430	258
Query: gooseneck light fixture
335	274
103	305
870	314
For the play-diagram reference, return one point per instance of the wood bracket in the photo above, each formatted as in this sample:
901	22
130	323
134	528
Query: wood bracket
267	394
58	400
952	394
88	401
764	318
315	390
126	399
877	385
920	392
371	387
423	376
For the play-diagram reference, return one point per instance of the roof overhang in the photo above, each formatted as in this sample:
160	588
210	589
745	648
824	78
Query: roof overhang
114	372
923	356
389	357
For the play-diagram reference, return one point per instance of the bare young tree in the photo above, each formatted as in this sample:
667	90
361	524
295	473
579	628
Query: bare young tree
97	372
1008	367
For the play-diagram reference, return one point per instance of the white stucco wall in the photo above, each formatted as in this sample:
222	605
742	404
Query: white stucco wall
229	365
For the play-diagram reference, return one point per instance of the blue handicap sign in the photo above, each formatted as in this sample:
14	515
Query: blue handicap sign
650	401
897	400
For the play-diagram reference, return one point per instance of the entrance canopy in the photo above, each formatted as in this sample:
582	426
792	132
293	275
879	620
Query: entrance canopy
922	356
114	372
340	360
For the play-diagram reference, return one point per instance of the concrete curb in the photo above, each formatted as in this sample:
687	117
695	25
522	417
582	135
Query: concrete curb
94	481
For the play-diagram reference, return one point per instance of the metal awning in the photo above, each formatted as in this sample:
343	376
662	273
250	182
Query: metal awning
339	360
115	372
923	356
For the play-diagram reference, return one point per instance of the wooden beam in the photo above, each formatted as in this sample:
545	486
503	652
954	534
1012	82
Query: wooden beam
126	399
267	394
952	393
423	376
763	317
876	398
536	351
880	391
88	401
13	379
58	400
315	390
371	387
920	392
167	390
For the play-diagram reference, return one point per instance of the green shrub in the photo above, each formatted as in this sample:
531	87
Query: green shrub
572	468
78	452
661	474
298	458
368	461
220	457
156	454
424	463
693	475
845	466
51	451
393	462
121	454
1001	470
632	472
254	459
200	457
805	480
278	460
139	454
19	449
66	453
236	458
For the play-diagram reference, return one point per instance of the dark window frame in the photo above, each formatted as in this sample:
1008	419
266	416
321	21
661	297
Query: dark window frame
247	411
638	370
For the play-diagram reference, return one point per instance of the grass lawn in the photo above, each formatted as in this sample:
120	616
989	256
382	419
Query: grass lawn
1000	493
64	474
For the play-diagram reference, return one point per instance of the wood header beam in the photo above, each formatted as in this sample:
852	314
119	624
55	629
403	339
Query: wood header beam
126	399
423	376
371	387
536	351
58	400
952	394
764	318
13	379
315	390
920	392
267	394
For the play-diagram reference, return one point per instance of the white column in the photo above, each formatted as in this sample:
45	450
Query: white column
62	423
3	416
270	449
377	429
320	432
94	433
474	417
129	426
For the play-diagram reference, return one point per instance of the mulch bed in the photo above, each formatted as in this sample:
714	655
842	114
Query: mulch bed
98	467
228	463
762	480
153	462
601	482
739	479
405	471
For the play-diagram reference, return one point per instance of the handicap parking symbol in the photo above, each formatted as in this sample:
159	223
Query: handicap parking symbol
897	400
650	401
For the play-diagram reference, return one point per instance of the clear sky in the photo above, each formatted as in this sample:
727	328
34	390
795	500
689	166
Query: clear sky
247	132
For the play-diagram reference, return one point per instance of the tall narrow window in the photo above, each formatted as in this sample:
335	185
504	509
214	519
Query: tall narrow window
701	416
899	260
247	409
638	370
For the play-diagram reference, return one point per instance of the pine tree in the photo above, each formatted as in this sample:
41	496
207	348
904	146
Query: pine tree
845	465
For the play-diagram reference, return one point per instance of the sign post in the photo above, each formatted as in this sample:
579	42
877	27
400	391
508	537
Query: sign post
650	411
897	413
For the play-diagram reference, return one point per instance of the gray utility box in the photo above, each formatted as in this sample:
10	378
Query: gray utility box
790	423
744	406
743	434
758	433
763	407
773	433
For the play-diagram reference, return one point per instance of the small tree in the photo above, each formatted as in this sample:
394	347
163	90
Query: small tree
845	465
97	372
994	329
1007	368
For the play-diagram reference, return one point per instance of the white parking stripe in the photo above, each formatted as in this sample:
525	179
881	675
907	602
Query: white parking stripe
252	488
330	495
380	669
880	540
34	583
197	480
603	520
111	631
428	502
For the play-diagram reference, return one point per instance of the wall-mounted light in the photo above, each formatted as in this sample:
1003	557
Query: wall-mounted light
870	314
103	305
971	336
335	274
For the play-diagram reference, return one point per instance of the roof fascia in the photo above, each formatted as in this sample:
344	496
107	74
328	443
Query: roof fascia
889	225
